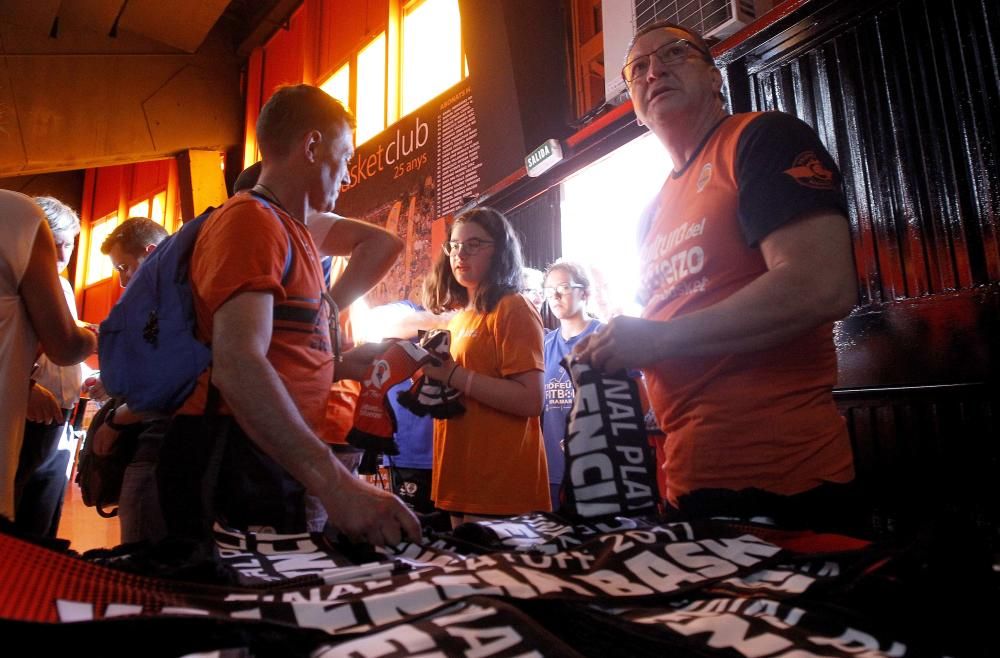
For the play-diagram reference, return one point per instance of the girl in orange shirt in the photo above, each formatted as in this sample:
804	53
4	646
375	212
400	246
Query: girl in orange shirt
490	461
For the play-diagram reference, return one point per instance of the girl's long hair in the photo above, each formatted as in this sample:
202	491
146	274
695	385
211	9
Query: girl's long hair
442	291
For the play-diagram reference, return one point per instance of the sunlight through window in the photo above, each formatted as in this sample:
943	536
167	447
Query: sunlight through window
99	265
641	167
338	85
371	89
140	209
432	51
157	212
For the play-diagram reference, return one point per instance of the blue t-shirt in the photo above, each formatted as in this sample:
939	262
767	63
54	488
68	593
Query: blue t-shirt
558	397
414	435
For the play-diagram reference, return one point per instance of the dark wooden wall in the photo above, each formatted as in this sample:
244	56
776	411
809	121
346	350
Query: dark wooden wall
906	96
538	226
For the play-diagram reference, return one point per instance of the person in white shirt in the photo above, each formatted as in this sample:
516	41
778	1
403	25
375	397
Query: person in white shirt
33	313
42	470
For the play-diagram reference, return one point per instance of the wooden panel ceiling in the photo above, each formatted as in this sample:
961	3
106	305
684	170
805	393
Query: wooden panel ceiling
181	24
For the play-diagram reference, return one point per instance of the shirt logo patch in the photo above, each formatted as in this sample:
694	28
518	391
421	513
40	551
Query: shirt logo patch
704	176
380	374
808	171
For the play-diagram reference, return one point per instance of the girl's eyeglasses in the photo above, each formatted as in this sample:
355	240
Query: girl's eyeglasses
470	247
562	290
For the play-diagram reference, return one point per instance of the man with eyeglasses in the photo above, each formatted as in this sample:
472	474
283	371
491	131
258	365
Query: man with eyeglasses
130	243
746	262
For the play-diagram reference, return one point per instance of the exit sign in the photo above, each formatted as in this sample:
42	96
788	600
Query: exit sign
544	157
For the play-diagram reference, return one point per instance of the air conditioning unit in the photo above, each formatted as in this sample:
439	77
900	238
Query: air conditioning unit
710	18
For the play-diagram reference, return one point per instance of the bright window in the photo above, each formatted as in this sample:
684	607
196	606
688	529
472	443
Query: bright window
338	85
641	167
99	265
157	210
152	208
371	90
140	209
432	51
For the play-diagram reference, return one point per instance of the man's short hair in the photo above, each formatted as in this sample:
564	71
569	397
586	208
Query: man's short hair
133	236
61	218
293	111
696	39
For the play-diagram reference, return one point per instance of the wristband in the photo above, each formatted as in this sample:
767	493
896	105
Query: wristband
468	383
109	420
448	381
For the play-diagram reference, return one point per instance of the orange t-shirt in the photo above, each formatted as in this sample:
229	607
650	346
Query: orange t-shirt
242	248
760	419
344	393
487	461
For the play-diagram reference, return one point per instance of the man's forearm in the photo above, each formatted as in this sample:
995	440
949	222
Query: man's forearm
370	261
809	281
766	313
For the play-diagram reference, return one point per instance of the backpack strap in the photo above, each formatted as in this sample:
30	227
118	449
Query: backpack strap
327	263
288	239
288	256
214	397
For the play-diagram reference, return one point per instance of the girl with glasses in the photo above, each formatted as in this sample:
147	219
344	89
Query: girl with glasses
566	289
490	461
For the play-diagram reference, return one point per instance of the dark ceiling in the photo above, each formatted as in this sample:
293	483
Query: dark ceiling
180	24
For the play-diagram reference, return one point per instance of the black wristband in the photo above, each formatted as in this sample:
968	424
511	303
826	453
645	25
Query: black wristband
109	420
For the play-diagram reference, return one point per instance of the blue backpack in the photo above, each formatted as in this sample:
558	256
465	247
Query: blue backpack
149	354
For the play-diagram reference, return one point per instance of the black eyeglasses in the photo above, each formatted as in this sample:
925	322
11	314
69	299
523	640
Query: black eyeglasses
560	291
470	247
669	54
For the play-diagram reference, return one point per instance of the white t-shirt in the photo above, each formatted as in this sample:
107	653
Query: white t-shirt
319	225
20	219
63	381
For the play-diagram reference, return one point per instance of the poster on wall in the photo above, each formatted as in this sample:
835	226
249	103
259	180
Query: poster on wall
411	178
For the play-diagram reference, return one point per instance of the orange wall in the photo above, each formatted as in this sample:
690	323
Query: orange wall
343	27
319	38
283	56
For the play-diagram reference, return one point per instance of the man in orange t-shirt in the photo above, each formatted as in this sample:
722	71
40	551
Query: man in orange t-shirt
258	296
374	251
746	262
